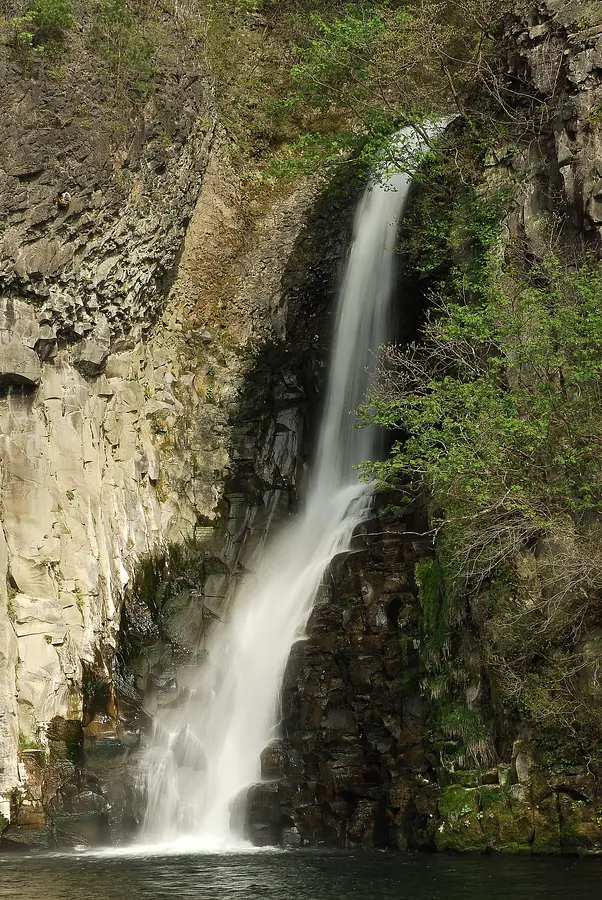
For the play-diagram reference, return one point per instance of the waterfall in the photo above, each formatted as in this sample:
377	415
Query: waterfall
205	757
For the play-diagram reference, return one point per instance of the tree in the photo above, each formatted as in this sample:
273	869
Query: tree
367	70
45	22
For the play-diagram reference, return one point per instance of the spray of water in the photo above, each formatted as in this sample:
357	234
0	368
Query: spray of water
205	756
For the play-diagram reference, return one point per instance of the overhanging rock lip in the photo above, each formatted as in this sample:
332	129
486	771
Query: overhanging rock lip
19	365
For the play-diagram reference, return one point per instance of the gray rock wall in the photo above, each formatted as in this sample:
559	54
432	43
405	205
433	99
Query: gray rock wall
93	207
555	56
148	398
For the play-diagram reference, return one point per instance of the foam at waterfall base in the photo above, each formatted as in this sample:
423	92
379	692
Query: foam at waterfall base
191	845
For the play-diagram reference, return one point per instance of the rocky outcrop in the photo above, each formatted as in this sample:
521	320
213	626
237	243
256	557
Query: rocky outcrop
95	195
96	190
556	57
352	764
358	764
149	400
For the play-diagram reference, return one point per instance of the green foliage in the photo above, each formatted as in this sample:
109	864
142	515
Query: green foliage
26	743
503	426
119	37
336	66
46	22
52	18
590	18
311	84
250	65
332	91
498	412
508	411
162	586
11	609
434	601
158	421
363	70
467	737
459	731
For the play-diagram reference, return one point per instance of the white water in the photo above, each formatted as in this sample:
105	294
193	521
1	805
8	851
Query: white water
209	752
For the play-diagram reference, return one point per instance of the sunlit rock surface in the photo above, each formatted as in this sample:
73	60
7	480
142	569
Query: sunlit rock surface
136	415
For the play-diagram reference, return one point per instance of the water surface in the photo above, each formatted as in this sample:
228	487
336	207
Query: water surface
299	875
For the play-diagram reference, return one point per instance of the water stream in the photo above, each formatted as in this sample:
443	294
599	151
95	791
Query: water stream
205	755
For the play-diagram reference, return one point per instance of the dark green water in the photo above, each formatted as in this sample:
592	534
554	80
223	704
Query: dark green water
299	876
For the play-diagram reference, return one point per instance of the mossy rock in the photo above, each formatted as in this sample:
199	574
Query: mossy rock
470	778
507	823
546	825
459	828
483	819
580	826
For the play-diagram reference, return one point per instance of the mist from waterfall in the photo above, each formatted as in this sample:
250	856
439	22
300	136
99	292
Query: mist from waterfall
207	753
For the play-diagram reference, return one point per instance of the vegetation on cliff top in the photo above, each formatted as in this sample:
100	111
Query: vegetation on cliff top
129	43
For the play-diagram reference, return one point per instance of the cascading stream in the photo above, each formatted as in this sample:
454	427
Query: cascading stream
207	754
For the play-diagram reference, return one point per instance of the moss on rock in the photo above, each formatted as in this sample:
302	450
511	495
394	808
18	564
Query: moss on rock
483	819
460	827
580	826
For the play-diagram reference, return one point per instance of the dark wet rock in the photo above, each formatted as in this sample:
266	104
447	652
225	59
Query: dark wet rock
264	816
346	780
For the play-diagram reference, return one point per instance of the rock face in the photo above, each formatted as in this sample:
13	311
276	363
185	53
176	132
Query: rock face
94	204
78	460
95	200
556	49
149	402
357	764
161	346
180	438
350	767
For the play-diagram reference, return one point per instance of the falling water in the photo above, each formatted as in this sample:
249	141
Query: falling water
204	759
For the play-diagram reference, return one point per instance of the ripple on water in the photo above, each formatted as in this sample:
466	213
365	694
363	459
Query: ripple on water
299	875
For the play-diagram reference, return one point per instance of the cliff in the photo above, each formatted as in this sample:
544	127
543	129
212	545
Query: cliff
421	714
163	326
150	398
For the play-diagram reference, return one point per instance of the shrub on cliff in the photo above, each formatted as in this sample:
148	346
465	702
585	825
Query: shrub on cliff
45	22
502	407
119	35
52	18
363	70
